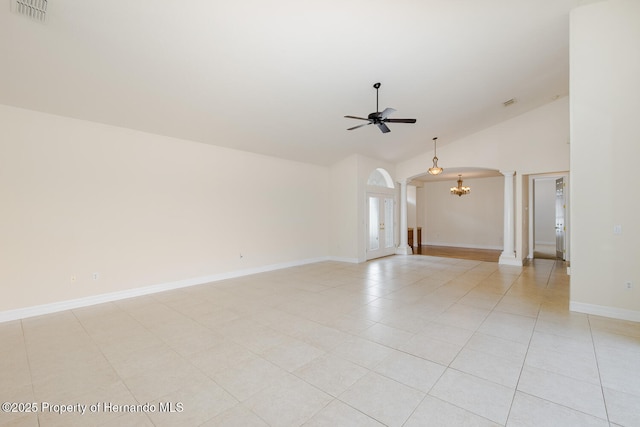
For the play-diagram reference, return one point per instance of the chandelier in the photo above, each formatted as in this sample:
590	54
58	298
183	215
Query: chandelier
435	170
460	190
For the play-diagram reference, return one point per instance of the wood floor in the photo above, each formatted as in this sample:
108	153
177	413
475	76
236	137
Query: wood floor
488	255
541	252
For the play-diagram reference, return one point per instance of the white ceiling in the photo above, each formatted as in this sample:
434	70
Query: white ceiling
276	77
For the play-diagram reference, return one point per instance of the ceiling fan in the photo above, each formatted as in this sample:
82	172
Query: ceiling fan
380	118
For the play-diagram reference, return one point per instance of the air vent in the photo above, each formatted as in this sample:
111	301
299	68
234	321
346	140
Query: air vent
34	9
509	102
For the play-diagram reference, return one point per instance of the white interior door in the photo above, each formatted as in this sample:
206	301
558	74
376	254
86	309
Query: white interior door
561	206
381	239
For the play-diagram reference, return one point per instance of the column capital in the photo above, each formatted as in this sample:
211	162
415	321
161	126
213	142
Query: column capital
508	173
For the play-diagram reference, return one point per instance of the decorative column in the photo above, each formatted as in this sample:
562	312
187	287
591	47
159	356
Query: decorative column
403	248
508	255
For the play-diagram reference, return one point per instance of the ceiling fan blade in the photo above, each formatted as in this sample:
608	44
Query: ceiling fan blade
386	112
359	126
400	120
380	118
383	128
354	117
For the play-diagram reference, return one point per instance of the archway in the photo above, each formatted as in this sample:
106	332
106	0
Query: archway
468	226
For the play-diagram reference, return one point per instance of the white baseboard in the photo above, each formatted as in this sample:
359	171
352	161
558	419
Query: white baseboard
605	311
510	260
340	259
23	313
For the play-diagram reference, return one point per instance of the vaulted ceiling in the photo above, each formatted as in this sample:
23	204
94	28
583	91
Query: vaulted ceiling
276	77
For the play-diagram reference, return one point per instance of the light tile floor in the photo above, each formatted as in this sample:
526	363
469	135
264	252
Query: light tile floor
400	341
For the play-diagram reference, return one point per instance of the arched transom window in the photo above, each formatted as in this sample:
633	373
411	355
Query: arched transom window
380	178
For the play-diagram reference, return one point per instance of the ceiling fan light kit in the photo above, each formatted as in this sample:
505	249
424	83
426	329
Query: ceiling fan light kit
379	118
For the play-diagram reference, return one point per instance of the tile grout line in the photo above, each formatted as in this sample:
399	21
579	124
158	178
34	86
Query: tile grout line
524	360
26	353
595	354
107	359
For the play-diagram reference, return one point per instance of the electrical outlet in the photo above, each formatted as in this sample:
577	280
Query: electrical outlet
628	285
73	279
96	276
241	256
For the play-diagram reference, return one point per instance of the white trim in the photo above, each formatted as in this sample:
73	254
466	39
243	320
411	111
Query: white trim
406	250
22	313
544	177
341	259
531	217
605	311
387	250
509	260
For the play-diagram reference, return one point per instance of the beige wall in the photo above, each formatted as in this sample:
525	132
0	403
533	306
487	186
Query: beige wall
344	210
605	148
412	206
142	210
472	221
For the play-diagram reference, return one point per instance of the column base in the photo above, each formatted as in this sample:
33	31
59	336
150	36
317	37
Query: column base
404	250
509	259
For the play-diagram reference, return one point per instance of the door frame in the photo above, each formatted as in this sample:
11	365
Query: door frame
382	194
549	176
561	237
